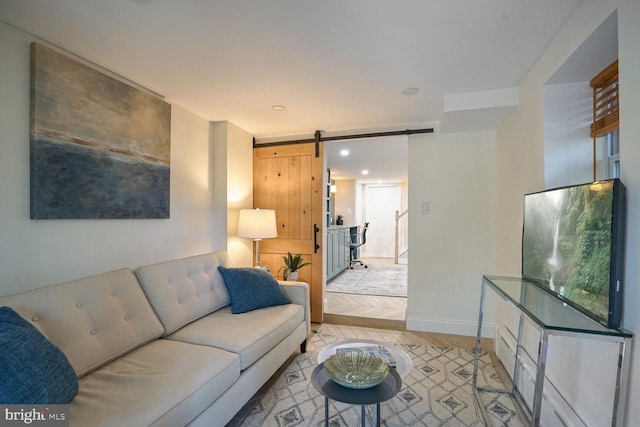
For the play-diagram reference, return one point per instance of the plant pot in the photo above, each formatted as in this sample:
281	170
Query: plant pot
293	276
339	222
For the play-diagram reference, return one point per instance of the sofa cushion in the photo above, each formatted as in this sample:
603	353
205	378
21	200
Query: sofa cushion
92	320
252	288
34	371
184	290
250	334
161	383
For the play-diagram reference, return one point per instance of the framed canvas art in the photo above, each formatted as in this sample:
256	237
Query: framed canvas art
100	148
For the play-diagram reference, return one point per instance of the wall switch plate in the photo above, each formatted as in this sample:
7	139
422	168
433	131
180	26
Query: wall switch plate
425	208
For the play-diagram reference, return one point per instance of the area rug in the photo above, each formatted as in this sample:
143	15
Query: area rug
377	279
437	392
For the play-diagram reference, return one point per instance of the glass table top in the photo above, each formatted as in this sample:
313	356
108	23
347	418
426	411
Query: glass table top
547	310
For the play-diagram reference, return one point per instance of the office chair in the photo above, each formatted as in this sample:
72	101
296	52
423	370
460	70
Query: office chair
354	257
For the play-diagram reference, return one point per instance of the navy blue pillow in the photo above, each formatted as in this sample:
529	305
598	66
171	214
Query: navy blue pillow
34	371
251	289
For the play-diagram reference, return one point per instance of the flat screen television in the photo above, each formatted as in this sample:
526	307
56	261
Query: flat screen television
573	246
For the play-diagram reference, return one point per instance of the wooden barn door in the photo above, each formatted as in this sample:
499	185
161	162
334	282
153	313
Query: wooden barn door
289	179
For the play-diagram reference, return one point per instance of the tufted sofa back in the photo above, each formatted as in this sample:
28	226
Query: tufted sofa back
93	320
184	290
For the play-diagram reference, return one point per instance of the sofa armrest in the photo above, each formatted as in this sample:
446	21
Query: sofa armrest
298	293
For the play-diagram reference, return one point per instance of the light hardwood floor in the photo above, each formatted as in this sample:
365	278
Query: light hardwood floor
375	310
358	319
361	312
366	310
390	336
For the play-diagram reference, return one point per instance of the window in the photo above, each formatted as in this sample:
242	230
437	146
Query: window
613	154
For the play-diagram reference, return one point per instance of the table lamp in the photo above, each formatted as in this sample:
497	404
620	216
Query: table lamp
257	224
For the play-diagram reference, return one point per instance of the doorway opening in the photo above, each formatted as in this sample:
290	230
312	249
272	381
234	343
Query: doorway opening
369	184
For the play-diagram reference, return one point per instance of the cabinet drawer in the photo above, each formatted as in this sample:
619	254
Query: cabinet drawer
555	411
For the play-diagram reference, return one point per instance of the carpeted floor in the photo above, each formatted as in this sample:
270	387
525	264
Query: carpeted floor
377	279
437	392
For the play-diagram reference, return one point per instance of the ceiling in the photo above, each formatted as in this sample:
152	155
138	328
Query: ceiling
598	51
385	158
334	65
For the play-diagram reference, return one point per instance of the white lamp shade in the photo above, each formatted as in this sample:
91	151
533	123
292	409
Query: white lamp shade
257	223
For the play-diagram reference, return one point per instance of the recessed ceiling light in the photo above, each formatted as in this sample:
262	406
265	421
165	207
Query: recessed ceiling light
410	91
344	152
365	172
278	108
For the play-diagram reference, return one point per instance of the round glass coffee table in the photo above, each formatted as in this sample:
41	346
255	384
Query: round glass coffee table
367	396
402	359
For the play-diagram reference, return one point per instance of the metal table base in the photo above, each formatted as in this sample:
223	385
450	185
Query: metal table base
363	397
516	292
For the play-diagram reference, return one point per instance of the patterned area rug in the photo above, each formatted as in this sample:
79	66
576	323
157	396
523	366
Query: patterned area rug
437	392
378	279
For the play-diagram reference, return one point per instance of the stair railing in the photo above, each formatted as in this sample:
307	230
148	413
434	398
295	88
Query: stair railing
401	234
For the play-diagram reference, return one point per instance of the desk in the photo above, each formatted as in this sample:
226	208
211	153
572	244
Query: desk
550	316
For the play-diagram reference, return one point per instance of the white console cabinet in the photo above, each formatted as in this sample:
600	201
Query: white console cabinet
566	369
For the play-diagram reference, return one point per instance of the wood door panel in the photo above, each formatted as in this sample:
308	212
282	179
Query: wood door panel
288	179
285	187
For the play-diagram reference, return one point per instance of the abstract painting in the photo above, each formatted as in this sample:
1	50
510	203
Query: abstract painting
100	148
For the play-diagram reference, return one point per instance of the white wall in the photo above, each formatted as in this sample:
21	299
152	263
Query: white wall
629	70
453	246
520	147
37	253
381	202
568	148
345	200
233	171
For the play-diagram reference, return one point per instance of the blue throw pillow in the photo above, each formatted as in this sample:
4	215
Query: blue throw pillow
251	289
34	371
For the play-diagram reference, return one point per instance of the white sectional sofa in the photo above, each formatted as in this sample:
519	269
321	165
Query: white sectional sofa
160	346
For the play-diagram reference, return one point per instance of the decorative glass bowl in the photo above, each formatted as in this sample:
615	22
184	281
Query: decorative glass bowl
356	370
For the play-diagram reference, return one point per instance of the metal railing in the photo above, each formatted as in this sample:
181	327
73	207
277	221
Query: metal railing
401	235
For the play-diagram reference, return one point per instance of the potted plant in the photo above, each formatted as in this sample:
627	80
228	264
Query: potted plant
339	220
292	263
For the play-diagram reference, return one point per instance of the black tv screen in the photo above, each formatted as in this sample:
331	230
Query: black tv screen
573	246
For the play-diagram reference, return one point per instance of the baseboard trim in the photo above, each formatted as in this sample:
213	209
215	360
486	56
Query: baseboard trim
469	329
365	322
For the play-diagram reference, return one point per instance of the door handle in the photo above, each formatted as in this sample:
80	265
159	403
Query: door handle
316	246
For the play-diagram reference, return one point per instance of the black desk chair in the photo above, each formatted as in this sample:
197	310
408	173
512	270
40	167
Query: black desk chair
354	253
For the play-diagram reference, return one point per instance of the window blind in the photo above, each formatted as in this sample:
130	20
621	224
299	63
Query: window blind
605	101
